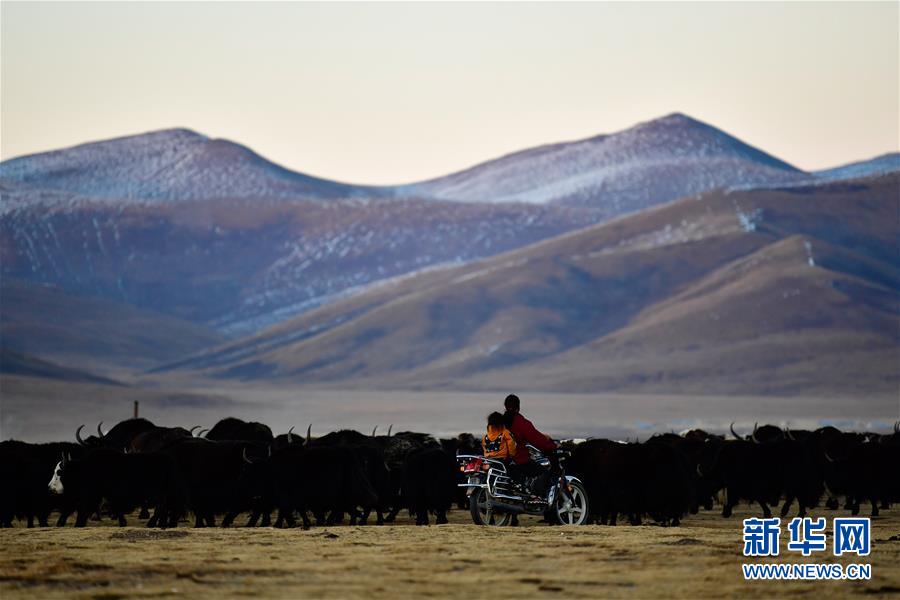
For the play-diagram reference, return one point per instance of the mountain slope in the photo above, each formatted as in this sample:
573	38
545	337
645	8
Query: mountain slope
205	230
168	165
547	314
650	163
240	265
773	322
880	165
91	333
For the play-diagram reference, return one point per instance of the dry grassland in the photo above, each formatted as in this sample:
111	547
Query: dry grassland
700	559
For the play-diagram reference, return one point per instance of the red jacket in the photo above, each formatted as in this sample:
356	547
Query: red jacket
525	433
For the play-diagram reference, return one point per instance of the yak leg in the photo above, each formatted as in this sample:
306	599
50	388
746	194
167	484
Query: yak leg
767	513
392	516
198	520
254	517
81	519
832	503
874	506
730	502
122	521
440	516
788	501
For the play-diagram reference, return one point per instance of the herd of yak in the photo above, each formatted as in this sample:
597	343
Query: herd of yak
239	467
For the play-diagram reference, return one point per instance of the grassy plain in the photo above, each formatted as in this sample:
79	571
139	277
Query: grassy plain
700	559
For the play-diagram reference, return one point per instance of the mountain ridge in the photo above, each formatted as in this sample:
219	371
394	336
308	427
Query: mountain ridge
518	316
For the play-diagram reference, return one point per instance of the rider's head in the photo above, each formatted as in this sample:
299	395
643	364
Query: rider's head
495	419
511	403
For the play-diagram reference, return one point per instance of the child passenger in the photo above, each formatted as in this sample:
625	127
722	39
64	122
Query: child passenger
498	443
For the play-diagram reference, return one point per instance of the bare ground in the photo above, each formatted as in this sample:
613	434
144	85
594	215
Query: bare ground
699	559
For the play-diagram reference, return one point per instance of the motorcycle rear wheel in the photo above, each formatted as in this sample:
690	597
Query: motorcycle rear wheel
574	514
480	513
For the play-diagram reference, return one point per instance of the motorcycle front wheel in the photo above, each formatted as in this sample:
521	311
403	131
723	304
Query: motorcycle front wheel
574	511
482	515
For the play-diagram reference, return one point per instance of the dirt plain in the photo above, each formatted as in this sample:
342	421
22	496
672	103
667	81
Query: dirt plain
700	559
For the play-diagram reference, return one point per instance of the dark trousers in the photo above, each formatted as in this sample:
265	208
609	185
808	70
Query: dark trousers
529	470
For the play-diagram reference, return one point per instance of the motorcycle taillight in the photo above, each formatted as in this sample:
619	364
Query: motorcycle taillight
473	466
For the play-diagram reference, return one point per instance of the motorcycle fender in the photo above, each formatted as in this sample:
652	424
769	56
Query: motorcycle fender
552	497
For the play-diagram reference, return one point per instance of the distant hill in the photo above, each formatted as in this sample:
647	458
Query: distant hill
204	230
781	291
880	165
91	333
648	164
168	165
239	266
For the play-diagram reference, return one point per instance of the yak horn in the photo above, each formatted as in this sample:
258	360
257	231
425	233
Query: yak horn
374	430
100	429
897	427
788	434
78	434
193	428
246	460
290	438
65	458
308	430
699	472
389	429
200	434
736	436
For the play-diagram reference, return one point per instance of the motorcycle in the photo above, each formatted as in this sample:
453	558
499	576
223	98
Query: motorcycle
494	496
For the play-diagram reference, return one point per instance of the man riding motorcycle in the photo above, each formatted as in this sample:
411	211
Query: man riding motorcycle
537	478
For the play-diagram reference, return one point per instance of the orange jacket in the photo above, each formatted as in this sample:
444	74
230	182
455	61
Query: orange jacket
498	443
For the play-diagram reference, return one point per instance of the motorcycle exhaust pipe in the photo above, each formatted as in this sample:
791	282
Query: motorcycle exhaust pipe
510	508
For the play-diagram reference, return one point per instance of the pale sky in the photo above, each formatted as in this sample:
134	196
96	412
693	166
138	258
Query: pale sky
387	93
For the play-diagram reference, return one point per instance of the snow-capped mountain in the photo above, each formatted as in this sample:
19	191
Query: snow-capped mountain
238	265
168	165
650	163
880	165
208	231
